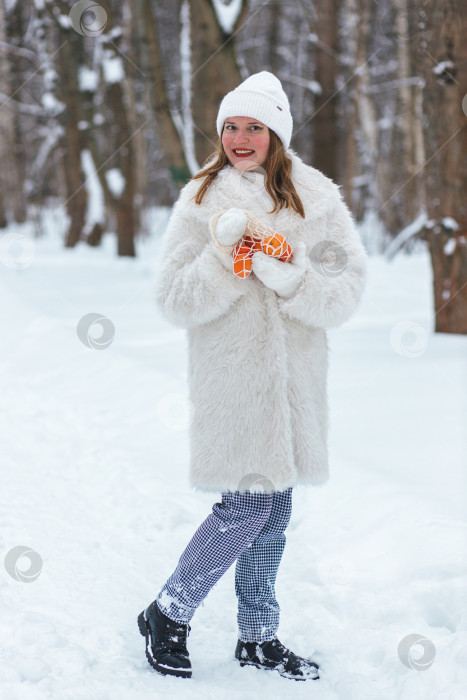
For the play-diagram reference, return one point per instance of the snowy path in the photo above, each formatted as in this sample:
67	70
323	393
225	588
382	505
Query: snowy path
94	454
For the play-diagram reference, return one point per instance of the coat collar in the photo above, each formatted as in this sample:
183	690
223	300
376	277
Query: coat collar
233	187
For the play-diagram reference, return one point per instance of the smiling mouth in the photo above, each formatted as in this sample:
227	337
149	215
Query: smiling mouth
242	152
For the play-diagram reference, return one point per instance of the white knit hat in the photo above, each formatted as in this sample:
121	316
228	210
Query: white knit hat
260	97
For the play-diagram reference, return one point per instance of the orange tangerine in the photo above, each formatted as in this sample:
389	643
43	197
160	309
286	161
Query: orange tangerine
242	260
274	245
277	246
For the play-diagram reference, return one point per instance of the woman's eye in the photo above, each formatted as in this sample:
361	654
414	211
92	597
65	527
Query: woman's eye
231	127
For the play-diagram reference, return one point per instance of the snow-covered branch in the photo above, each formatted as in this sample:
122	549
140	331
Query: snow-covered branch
403	236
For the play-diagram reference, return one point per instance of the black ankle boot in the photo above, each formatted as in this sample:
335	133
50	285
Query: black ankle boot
165	642
274	656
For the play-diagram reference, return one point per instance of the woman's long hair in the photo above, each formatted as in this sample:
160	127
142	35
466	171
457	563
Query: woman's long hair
278	167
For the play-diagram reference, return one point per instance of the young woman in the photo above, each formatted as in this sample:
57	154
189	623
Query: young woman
257	365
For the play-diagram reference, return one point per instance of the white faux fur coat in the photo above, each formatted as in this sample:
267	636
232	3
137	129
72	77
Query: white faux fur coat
257	361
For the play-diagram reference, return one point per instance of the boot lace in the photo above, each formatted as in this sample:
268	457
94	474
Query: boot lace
177	635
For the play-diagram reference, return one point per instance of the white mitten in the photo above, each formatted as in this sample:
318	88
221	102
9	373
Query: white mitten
231	226
283	277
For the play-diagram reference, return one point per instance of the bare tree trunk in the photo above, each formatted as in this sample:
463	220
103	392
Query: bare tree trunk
214	72
4	113
121	146
273	33
67	65
449	279
359	121
12	174
3	219
401	180
138	119
445	68
152	65
325	133
123	203
73	142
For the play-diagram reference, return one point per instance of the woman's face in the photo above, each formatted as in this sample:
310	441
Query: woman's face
246	142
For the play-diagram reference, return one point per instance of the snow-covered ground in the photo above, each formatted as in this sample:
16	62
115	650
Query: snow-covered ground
94	481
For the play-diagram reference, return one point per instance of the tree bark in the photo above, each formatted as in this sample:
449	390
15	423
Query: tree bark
449	278
123	204
67	66
121	146
12	142
5	120
73	144
214	72
403	177
444	52
3	219
325	133
157	93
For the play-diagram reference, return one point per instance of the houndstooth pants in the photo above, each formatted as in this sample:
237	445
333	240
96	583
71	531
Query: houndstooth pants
249	528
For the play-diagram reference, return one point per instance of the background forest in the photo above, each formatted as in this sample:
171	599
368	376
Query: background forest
108	108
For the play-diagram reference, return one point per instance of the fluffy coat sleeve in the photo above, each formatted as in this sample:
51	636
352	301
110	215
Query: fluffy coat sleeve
195	282
335	274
